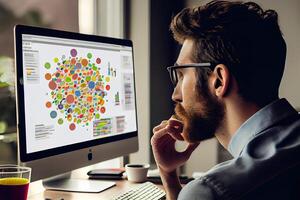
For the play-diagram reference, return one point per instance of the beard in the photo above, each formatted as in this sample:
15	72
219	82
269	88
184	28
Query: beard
199	125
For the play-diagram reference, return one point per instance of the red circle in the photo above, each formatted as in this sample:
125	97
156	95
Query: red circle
98	60
72	126
107	87
52	85
70	99
75	76
102	109
91	110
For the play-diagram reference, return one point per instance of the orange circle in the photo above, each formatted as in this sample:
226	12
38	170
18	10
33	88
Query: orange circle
48	76
48	104
84	62
101	102
73	61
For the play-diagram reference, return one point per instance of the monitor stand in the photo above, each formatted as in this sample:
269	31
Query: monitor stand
65	183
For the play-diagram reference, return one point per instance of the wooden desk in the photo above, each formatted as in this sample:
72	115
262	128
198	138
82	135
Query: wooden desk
38	192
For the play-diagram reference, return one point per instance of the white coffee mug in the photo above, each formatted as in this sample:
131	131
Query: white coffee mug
137	172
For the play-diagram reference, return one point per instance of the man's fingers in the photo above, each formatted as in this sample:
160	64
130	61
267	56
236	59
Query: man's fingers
190	148
175	128
160	136
175	132
175	123
163	124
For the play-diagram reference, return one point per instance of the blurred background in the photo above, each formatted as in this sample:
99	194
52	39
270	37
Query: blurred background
146	23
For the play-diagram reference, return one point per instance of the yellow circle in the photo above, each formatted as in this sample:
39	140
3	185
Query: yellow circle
55	60
107	79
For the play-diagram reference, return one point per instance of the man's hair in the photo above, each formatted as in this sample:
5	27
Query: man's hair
242	36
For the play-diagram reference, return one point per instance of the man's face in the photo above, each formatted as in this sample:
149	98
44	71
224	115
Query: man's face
197	107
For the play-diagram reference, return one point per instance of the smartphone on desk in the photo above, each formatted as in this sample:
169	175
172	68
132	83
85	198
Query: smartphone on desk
156	179
109	174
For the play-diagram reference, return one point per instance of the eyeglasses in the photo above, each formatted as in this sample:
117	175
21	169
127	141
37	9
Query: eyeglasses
173	73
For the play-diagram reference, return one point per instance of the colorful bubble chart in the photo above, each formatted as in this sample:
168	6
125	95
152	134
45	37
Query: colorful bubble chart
77	89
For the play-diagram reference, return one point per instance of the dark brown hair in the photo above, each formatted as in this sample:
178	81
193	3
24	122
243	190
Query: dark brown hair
242	36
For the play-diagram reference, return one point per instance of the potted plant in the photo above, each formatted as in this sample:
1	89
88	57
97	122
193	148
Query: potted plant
7	111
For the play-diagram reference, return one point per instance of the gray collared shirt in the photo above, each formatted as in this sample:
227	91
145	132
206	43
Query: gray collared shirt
266	163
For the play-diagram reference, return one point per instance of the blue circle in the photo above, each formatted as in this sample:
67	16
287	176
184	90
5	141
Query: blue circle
91	85
78	66
77	93
53	114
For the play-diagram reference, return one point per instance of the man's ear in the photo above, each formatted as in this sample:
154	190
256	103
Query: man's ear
221	80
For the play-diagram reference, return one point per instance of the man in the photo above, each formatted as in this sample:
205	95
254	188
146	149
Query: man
226	81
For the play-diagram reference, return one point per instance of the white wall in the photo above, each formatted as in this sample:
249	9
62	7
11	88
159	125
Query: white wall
289	20
203	158
140	34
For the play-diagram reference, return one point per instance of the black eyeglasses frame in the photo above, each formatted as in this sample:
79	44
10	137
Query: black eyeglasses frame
173	73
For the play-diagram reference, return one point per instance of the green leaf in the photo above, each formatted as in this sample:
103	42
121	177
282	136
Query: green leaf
3	84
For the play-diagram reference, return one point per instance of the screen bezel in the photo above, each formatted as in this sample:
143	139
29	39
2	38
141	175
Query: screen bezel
21	29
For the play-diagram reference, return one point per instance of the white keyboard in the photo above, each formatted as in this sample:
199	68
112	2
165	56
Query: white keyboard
146	190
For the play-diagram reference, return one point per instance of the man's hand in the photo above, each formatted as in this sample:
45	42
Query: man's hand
166	156
163	145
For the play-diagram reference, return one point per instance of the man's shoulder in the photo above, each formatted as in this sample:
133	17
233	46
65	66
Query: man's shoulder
271	154
198	189
268	165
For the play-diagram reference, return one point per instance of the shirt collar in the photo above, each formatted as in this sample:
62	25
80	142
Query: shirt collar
261	120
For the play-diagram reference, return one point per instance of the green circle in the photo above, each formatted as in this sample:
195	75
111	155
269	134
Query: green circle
78	121
95	68
83	110
89	55
68	79
60	121
97	116
88	78
77	110
47	65
59	96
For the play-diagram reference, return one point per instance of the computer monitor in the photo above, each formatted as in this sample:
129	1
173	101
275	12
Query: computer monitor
76	101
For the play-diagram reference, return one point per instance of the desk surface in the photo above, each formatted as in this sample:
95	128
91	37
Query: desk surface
38	192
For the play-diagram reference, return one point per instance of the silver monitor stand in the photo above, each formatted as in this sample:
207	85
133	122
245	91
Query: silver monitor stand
66	183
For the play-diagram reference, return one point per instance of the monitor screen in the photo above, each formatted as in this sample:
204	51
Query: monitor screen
81	91
74	92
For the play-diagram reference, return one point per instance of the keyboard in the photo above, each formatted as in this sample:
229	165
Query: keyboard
146	190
